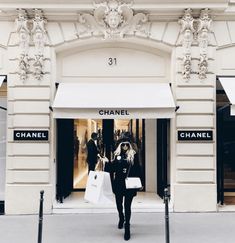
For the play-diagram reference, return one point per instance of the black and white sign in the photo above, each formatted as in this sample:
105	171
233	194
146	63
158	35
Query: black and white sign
187	135
32	135
105	112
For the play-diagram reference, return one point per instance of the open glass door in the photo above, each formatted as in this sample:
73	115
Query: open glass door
225	148
65	158
225	156
162	155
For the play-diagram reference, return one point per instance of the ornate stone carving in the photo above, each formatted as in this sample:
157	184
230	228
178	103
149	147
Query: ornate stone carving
186	67
39	39
203	66
187	30
39	31
24	66
38	66
203	30
38	34
23	30
113	19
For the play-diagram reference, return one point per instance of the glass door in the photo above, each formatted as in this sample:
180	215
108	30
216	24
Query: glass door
162	156
65	152
225	156
225	127
110	132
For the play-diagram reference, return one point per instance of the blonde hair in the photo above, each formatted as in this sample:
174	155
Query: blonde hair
130	152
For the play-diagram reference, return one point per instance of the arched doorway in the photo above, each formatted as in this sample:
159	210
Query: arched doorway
116	63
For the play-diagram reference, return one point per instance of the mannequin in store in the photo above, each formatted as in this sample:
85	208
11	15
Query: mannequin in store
92	152
125	163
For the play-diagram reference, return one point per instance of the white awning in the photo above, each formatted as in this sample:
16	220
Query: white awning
228	84
113	101
2	79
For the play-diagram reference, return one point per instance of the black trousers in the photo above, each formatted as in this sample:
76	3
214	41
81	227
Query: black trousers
91	167
127	198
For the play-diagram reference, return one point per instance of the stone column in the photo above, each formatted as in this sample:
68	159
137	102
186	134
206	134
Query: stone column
195	179
29	81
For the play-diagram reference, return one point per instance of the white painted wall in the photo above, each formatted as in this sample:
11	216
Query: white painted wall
151	155
134	63
225	61
95	62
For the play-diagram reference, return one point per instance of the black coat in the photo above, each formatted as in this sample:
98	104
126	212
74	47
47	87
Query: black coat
92	152
118	170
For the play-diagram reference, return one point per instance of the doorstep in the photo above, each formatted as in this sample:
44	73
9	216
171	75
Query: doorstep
144	202
226	208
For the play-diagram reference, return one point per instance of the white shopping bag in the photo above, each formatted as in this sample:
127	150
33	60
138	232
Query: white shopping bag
99	188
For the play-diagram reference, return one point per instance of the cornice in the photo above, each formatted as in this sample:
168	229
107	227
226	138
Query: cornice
167	11
162	6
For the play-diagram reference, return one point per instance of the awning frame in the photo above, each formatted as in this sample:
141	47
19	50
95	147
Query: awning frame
231	104
3	79
136	112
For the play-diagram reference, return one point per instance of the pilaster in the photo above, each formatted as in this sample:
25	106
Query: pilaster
29	82
195	179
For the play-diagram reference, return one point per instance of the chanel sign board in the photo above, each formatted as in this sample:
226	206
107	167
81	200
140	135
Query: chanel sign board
188	135
32	135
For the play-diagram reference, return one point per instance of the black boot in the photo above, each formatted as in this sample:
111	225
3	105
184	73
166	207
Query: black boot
121	221
127	234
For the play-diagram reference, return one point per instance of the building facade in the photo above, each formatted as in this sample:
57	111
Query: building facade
78	59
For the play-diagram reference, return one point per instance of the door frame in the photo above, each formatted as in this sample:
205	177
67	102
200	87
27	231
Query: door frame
65	160
163	152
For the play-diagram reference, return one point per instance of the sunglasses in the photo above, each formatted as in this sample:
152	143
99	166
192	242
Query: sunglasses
125	144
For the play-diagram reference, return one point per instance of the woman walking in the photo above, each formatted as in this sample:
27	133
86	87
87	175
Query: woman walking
125	164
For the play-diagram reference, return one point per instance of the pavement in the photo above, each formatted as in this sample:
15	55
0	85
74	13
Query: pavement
102	228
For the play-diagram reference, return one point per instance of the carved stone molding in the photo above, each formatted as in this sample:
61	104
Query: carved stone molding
31	31
187	31
203	66
195	30
186	72
113	19
203	30
39	40
38	31
24	66
38	66
22	28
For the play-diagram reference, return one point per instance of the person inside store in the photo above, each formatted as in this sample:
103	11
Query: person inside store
76	146
92	152
125	164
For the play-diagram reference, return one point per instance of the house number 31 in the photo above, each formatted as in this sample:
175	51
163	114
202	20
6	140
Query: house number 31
112	61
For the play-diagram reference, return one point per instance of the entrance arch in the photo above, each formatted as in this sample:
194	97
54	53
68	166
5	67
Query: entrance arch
118	62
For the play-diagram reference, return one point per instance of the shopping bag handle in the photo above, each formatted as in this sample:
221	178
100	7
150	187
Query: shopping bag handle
101	159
